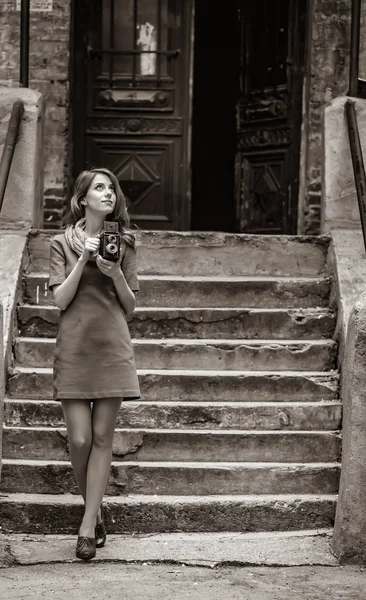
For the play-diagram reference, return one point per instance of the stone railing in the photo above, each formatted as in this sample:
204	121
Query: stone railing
347	262
22	209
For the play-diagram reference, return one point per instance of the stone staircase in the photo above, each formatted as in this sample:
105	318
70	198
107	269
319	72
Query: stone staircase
238	425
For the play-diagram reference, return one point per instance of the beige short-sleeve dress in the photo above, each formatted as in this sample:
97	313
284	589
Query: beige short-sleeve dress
94	356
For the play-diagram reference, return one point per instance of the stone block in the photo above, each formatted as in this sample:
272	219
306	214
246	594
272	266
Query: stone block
216	253
12	253
347	262
193	354
200	386
2	382
350	523
272	416
184	479
23	202
60	514
219	323
184	445
340	206
209	292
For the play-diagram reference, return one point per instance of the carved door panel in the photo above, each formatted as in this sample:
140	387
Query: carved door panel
131	102
269	115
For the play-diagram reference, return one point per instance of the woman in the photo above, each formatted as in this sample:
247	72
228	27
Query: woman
94	366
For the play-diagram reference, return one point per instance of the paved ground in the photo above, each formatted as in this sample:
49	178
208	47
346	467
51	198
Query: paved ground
224	566
113	581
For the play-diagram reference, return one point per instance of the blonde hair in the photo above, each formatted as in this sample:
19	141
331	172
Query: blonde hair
119	214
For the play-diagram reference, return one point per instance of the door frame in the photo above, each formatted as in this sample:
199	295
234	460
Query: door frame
78	92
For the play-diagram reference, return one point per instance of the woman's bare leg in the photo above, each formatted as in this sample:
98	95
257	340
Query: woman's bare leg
78	419
104	417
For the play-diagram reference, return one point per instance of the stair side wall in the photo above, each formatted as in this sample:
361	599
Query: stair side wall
2	386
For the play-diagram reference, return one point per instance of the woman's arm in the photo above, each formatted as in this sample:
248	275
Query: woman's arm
64	293
124	293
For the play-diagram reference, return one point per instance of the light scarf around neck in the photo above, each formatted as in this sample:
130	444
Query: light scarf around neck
75	236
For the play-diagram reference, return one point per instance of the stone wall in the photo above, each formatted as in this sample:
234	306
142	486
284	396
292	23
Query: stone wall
48	74
328	73
362	60
327	77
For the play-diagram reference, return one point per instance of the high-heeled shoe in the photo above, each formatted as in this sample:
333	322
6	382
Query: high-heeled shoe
100	533
85	548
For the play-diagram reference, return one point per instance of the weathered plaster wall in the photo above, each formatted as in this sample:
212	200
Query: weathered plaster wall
362	60
340	206
23	199
350	522
2	385
328	72
22	207
48	74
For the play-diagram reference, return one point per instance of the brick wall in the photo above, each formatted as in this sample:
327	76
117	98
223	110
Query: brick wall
328	78
48	73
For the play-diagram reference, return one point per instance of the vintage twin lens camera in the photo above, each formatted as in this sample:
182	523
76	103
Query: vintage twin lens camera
110	241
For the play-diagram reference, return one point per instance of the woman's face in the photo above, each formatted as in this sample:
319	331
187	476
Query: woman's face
101	195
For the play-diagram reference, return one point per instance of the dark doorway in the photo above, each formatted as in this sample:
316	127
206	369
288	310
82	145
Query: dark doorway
215	94
270	114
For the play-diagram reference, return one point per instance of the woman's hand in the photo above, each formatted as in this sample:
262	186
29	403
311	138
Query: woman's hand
109	268
91	247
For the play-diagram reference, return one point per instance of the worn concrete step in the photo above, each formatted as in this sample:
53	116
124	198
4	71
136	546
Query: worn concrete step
52	477
198	415
180	354
61	514
210	292
186	386
183	445
218	253
245	323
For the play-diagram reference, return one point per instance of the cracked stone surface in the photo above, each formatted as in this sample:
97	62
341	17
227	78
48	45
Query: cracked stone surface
177	478
177	386
61	514
185	445
202	416
229	355
215	294
215	252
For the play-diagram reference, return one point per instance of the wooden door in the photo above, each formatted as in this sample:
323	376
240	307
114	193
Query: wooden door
131	102
269	115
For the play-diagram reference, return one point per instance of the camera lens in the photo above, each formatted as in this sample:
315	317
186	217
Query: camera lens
112	248
112	239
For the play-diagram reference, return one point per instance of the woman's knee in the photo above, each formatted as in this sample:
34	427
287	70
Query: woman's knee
102	439
80	442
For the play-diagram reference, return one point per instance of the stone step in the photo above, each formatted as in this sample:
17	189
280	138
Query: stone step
209	292
62	513
200	386
217	253
52	477
181	354
200	323
49	443
197	415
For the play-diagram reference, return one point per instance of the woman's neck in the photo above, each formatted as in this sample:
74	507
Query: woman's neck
93	225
